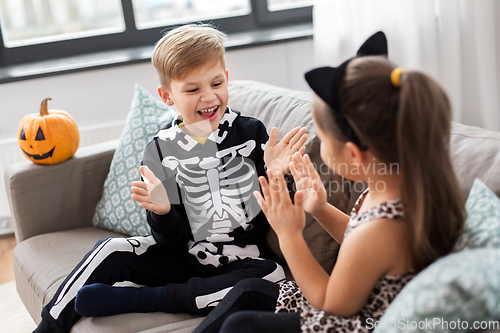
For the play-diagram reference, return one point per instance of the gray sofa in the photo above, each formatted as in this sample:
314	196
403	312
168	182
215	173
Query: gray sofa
52	206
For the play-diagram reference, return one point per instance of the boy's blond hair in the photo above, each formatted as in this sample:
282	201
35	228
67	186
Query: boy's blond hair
185	48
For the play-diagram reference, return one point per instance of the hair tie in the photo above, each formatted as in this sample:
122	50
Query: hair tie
396	76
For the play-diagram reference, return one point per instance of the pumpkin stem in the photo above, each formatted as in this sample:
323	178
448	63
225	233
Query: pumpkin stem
43	107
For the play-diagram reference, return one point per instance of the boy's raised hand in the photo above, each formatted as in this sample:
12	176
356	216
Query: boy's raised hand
309	182
278	156
150	193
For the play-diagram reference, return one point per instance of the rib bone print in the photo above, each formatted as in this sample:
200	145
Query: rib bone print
217	191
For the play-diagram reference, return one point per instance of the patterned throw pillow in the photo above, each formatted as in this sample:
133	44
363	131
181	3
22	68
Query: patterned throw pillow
482	227
116	211
459	291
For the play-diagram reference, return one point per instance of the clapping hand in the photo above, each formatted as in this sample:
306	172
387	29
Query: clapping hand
307	180
284	217
277	156
150	193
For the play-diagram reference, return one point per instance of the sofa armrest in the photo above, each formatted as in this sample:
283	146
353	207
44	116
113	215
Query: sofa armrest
49	198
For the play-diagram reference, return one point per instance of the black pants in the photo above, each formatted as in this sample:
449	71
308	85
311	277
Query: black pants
190	286
249	308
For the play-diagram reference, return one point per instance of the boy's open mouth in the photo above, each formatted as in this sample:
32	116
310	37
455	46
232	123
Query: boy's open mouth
210	113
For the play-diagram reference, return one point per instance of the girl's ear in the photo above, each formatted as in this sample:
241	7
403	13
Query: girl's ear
165	96
354	155
227	76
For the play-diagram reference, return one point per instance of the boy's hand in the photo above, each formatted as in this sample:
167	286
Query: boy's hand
286	219
308	181
151	194
278	156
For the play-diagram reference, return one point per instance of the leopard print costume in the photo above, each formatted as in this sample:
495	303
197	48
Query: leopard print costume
387	287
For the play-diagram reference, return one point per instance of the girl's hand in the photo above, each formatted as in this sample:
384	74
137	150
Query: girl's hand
308	181
285	218
278	156
151	194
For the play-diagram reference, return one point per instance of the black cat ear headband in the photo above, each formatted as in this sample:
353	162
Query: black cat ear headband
324	81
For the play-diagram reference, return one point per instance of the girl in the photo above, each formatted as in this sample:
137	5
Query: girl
388	128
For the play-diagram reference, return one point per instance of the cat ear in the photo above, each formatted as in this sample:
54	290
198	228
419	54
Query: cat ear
376	44
325	82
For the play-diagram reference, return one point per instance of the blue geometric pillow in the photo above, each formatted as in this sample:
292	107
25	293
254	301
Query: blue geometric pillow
462	289
116	211
457	293
482	227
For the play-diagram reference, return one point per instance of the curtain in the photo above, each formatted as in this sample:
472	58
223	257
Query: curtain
457	42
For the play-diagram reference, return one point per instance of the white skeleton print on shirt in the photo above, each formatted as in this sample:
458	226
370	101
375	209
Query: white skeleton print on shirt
216	187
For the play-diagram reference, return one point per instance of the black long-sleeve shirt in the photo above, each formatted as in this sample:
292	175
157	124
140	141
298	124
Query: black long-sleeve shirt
210	186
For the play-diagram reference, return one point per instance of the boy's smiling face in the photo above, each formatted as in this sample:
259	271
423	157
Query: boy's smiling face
200	96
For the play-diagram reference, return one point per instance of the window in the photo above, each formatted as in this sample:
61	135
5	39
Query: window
35	22
157	13
33	30
275	5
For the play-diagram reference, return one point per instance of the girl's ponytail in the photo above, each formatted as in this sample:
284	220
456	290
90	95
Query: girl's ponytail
405	120
430	192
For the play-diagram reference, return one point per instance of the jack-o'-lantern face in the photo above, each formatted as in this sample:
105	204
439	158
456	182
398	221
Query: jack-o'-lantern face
49	137
38	137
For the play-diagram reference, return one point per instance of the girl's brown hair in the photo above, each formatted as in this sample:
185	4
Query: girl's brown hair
409	125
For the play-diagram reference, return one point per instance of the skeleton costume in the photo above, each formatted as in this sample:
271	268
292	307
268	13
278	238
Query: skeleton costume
215	181
213	236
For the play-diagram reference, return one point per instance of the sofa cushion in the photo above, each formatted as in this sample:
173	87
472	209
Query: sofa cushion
37	283
475	153
285	109
40	266
155	322
482	226
463	287
186	326
116	211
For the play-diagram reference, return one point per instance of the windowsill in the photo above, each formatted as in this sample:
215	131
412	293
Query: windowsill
142	54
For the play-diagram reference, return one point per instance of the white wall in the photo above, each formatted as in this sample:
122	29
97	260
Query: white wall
457	42
101	95
104	95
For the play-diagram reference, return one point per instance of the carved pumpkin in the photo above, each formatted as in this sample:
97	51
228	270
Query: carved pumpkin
49	137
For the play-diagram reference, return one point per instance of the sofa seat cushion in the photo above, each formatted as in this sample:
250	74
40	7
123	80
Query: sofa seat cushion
41	263
138	322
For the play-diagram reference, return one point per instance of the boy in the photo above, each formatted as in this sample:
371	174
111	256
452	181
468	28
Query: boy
199	174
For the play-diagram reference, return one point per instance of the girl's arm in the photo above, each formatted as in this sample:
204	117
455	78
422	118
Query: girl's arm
370	251
363	258
288	222
333	220
307	180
